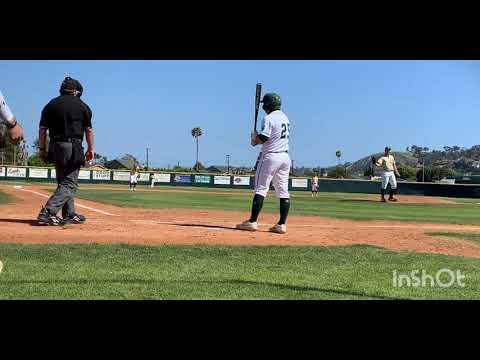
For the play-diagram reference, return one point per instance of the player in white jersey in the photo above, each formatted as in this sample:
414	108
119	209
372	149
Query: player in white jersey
315	185
134	175
15	131
273	164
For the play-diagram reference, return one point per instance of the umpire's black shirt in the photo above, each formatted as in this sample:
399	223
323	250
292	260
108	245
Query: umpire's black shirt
66	116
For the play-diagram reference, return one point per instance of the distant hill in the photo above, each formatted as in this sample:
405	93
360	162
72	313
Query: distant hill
402	158
461	160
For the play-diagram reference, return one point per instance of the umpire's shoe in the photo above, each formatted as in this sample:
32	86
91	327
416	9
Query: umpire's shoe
74	219
45	218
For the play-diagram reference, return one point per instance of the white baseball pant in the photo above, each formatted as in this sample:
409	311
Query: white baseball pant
389	177
273	167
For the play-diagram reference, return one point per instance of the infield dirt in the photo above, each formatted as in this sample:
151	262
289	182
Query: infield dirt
110	224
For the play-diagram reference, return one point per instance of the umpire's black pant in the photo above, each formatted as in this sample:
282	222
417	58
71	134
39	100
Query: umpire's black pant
67	170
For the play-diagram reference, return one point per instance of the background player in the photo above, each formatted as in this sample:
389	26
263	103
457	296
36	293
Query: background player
273	165
315	185
134	175
15	131
387	162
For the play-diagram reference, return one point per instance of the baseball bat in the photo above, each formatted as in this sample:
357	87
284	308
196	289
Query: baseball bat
258	93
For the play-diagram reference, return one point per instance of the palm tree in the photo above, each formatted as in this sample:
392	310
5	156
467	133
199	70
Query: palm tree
338	154
196	133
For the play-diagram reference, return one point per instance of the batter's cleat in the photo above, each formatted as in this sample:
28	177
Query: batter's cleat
248	226
75	219
392	199
45	218
279	229
383	200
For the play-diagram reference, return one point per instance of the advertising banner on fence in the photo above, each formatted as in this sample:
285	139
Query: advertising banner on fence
299	183
38	173
221	180
53	174
182	179
202	179
241	180
145	177
162	178
103	175
121	176
84	175
2	171
16	172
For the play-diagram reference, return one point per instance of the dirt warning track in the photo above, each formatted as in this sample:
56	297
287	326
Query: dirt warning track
110	224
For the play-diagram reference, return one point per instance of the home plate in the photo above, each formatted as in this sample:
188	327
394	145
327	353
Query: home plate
18	187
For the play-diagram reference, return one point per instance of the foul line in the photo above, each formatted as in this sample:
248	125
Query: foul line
76	204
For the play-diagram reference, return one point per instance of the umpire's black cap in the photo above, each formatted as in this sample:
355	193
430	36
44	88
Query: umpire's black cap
69	85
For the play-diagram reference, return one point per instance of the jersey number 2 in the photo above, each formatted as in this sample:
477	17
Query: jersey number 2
285	131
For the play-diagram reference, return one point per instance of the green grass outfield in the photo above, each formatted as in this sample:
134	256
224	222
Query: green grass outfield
335	205
208	272
167	272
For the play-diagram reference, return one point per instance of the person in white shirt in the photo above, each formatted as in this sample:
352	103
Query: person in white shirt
15	131
273	165
315	185
134	175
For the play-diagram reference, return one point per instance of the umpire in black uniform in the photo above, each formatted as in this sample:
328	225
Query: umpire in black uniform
66	118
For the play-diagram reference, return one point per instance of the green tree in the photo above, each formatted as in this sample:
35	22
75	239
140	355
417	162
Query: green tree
100	159
338	173
34	160
407	172
338	154
198	166
433	173
196	133
369	171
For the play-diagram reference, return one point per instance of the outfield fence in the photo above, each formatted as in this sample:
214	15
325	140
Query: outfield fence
37	174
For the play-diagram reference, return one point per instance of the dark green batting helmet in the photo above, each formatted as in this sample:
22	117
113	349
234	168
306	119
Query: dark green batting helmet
271	102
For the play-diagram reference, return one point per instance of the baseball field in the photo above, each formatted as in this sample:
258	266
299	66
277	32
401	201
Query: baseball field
181	243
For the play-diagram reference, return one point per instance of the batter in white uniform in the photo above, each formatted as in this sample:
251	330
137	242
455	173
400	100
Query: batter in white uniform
15	131
273	165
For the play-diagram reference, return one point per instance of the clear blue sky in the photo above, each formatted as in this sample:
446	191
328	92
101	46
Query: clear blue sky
355	106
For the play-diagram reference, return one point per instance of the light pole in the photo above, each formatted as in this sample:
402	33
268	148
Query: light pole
293	167
147	158
228	164
423	171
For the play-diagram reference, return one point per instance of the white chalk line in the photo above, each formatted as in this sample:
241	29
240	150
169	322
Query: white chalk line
325	226
76	204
